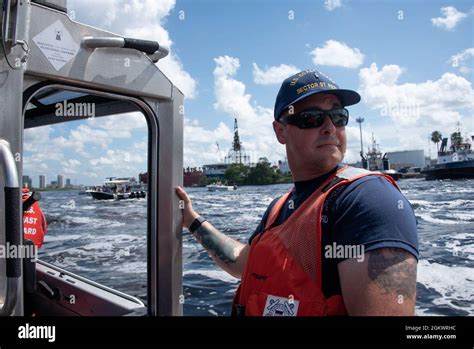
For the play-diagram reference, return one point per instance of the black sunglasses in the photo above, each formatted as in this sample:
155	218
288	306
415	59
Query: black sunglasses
313	118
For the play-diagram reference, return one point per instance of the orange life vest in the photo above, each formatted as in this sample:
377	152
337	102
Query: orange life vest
34	221
283	273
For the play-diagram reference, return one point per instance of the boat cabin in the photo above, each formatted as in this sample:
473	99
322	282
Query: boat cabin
54	72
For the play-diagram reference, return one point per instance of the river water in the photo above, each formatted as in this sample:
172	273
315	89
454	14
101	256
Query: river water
106	242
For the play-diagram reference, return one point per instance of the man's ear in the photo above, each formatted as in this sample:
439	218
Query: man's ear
279	129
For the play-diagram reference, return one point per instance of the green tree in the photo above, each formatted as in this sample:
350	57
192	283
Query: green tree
262	174
436	138
236	173
204	181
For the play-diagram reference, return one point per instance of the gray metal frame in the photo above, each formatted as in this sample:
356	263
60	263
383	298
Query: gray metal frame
101	71
10	177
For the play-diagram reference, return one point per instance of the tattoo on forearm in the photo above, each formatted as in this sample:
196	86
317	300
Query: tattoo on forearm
394	270
217	244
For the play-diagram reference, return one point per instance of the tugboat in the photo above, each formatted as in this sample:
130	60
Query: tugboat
374	161
455	163
118	189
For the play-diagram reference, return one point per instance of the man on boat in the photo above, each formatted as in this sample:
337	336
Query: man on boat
343	241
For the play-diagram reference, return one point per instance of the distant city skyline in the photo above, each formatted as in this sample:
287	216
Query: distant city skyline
410	61
42	181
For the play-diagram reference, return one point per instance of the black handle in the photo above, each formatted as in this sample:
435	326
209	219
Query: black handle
13	230
147	46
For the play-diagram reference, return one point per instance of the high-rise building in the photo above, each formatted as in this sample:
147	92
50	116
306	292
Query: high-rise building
27	182
60	181
68	182
42	181
406	158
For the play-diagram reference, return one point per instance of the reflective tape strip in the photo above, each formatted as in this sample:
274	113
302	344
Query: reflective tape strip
351	172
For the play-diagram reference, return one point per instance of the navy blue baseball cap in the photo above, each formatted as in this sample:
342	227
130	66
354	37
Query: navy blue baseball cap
307	83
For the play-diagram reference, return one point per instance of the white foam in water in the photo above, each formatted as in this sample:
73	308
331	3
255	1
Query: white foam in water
461	216
424	312
77	254
421	202
456	246
65	237
88	207
453	283
213	312
458	202
426	216
100	245
122	237
82	220
463	236
213	274
132	267
246	217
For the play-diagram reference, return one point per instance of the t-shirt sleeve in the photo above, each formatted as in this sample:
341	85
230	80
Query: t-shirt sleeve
373	213
263	221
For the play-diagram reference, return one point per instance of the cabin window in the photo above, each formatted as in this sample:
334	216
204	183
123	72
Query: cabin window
87	155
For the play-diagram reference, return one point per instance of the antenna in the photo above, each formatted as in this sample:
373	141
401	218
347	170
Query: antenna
218	151
429	146
360	121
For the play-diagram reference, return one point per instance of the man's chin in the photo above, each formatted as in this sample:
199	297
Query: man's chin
329	162
330	152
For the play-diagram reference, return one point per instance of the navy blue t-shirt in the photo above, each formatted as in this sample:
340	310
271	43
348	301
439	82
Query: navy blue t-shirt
369	211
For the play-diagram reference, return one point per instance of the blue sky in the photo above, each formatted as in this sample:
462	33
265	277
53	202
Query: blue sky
412	62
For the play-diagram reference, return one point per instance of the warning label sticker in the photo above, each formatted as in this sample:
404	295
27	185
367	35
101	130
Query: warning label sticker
57	44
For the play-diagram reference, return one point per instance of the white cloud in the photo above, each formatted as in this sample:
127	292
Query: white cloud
409	112
70	166
34	138
274	74
147	10
451	18
335	53
119	159
89	139
439	103
93	12
100	132
200	144
255	121
140	19
120	125
37	142
331	5
459	60
353	143
71	163
84	134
